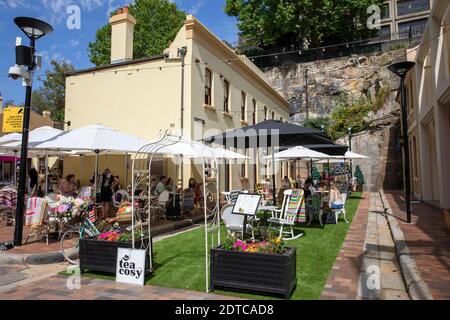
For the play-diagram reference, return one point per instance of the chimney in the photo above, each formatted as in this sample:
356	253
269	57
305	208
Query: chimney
46	114
122	29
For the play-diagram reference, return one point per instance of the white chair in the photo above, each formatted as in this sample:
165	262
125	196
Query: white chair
277	213
159	204
342	211
234	222
289	215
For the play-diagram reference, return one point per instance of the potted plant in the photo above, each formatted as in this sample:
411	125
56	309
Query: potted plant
359	178
267	265
100	253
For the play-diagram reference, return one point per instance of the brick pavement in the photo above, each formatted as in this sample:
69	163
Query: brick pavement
55	288
343	280
428	242
33	246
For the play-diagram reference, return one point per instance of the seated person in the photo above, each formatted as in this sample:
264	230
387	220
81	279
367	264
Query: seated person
170	185
161	187
67	186
335	198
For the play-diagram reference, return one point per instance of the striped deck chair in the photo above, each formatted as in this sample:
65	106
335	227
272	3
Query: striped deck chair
35	216
301	214
231	199
289	216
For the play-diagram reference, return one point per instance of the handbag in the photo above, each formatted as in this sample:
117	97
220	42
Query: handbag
338	204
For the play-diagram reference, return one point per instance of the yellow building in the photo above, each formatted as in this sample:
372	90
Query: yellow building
428	91
222	90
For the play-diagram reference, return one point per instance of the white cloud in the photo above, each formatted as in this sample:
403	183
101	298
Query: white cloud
57	8
74	43
12	3
196	7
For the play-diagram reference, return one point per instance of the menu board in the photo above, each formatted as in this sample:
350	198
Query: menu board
247	204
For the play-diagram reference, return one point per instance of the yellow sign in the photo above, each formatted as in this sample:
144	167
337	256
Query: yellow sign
12	119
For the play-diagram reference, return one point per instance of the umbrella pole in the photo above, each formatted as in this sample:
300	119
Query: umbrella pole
96	170
274	192
81	169
126	170
46	171
311	168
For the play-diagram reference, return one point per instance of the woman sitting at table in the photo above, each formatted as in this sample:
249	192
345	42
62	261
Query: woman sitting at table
170	185
335	198
67	186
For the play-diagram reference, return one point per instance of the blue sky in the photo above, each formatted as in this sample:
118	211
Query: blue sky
71	45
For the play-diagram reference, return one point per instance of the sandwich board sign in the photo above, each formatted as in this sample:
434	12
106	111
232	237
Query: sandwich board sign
130	267
12	119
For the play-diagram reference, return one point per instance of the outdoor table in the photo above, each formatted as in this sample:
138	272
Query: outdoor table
267	209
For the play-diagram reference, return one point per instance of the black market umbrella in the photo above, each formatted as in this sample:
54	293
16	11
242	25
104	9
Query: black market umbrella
275	133
262	134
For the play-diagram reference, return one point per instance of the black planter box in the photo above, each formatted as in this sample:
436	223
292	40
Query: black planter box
101	255
270	273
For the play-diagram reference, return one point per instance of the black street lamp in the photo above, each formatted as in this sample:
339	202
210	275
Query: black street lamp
401	69
25	57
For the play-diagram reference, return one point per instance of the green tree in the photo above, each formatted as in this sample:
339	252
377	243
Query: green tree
266	24
8	103
51	96
346	115
158	22
359	176
315	173
317	123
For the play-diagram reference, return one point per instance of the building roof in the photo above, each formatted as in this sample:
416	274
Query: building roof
115	65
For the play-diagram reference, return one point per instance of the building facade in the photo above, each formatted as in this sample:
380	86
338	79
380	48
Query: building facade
404	18
222	91
428	94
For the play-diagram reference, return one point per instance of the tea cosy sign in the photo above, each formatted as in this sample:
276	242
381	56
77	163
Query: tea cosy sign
130	266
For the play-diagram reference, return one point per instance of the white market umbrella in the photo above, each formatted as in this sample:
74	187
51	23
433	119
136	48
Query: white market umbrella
353	155
299	152
11	137
35	137
94	138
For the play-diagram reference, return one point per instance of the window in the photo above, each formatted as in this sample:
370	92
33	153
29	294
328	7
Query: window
243	106
226	96
254	111
412	28
208	87
385	33
266	113
405	7
385	11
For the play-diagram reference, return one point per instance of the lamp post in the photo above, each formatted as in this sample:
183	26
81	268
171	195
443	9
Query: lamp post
349	129
182	52
401	70
25	57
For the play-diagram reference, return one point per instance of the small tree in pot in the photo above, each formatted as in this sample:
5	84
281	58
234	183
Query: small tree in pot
359	178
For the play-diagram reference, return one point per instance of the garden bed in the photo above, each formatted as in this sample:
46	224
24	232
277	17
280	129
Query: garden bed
260	272
101	255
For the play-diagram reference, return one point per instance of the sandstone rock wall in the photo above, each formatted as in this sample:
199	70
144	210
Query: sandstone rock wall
352	77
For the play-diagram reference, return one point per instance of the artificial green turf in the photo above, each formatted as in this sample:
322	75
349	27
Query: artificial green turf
180	260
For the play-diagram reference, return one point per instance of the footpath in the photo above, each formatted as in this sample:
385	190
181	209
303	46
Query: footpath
383	257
